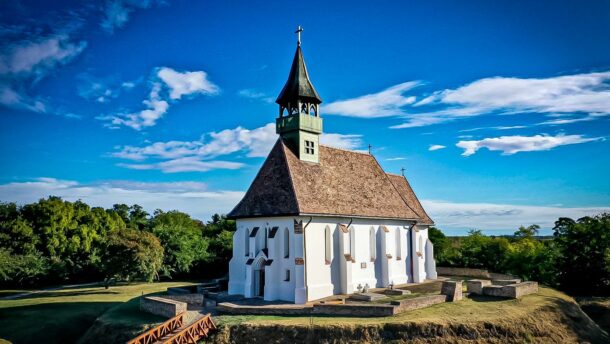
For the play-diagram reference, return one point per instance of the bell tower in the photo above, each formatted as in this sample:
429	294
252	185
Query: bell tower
299	123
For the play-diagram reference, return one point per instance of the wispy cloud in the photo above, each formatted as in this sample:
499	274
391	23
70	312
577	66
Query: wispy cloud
24	62
166	83
389	102
197	155
585	94
117	12
508	217
509	145
254	94
194	198
395	159
435	147
186	164
345	141
102	89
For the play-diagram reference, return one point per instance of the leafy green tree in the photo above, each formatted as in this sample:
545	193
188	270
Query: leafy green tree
220	232
441	244
584	254
182	238
21	269
527	232
131	254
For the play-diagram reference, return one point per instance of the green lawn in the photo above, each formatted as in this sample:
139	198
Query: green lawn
63	316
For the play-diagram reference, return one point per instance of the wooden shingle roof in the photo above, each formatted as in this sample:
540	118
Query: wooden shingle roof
344	183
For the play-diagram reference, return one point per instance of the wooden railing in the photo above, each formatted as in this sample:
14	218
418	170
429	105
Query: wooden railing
194	332
160	331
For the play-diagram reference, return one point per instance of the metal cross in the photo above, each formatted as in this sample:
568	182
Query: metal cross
298	32
370	147
402	171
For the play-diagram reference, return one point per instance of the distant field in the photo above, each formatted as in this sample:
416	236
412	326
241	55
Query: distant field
63	316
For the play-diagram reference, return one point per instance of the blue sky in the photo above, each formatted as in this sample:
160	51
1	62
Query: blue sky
499	111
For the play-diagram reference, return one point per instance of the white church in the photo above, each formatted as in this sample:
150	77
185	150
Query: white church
318	221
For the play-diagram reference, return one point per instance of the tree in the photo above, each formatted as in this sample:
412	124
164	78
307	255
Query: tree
220	232
527	232
182	238
131	254
584	254
440	242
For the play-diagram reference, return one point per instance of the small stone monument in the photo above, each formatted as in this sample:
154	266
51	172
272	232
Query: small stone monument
453	290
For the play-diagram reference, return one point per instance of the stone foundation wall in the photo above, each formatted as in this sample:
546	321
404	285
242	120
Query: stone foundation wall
417	302
468	272
161	306
352	310
191	299
452	289
476	286
512	291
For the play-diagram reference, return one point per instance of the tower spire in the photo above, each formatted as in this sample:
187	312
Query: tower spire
299	123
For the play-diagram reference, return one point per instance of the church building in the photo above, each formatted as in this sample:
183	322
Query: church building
318	220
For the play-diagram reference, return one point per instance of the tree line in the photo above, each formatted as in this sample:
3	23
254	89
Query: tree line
57	241
576	259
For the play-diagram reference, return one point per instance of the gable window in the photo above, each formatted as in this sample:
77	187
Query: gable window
309	147
327	246
373	244
286	243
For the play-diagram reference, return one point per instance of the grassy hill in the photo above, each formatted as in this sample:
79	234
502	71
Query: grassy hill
96	315
547	317
64	316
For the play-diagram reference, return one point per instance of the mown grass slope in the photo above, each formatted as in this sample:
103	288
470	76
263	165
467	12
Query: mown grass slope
64	316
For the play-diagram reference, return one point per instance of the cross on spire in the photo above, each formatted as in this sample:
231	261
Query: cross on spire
370	148
298	32
402	171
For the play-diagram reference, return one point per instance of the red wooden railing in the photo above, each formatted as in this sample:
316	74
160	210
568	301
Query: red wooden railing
194	332
160	331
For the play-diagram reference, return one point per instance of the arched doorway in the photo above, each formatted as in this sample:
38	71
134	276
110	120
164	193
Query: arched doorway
259	278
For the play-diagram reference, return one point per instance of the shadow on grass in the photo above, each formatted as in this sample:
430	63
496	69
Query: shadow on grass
50	322
486	298
574	318
68	293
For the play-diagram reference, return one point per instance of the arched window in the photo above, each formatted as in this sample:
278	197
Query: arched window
327	245
398	244
373	244
247	241
312	111
282	111
286	243
352	242
304	108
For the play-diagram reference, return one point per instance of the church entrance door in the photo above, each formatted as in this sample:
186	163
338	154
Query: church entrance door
260	292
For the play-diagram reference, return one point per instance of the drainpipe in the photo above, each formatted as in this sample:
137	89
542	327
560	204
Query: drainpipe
305	259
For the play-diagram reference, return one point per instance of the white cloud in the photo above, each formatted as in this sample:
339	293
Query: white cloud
117	12
567	119
254	94
193	198
166	79
515	144
102	89
186	164
435	147
395	159
344	141
155	109
386	103
24	62
508	217
186	83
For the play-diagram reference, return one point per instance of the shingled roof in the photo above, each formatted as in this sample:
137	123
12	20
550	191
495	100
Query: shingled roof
344	183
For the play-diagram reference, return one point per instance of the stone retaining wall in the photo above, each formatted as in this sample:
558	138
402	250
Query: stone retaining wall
191	299
161	306
468	272
512	291
355	310
417	302
476	286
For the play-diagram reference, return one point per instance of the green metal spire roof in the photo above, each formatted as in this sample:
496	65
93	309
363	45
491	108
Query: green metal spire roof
298	85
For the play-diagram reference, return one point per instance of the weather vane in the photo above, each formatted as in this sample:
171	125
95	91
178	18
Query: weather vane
298	32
